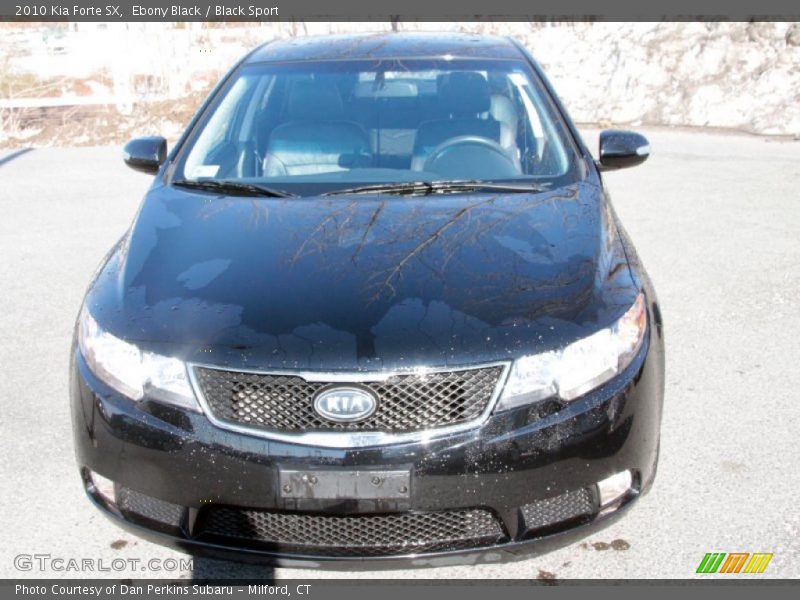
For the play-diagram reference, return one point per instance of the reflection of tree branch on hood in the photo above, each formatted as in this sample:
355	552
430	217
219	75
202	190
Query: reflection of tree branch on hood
394	272
367	229
505	215
311	236
394	242
259	211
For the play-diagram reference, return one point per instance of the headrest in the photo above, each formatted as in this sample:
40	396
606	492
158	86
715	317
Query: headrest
502	109
464	93
388	89
314	101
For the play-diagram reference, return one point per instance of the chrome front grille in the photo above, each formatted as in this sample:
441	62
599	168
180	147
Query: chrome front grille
407	402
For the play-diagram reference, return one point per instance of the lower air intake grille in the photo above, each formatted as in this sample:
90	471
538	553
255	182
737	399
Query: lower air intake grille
559	509
132	502
406	403
360	535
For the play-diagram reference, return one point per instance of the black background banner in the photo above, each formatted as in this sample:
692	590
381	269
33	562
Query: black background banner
402	10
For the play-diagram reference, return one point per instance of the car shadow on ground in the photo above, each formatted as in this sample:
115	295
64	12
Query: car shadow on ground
207	569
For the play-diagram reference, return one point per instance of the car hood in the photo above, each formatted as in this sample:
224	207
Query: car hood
363	282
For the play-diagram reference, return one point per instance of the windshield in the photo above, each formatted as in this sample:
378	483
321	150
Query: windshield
315	127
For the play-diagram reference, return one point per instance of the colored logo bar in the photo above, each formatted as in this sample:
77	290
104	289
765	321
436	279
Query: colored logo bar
734	562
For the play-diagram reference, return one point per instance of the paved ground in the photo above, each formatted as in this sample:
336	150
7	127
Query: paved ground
716	219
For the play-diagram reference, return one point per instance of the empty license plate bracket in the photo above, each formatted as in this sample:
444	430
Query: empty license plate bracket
337	484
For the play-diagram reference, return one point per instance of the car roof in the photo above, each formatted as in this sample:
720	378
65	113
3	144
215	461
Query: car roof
387	46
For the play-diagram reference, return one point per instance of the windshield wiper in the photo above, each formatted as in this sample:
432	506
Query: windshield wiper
424	188
232	187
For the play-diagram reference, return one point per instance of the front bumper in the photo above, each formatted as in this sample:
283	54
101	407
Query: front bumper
174	472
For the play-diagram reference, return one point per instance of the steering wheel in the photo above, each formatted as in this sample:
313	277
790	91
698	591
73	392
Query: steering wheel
465	141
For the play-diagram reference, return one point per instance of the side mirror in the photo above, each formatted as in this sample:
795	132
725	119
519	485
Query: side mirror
621	149
145	154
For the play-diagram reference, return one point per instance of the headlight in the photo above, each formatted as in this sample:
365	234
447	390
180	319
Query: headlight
580	366
130	371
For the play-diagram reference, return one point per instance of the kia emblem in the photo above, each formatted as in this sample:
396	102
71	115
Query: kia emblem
345	404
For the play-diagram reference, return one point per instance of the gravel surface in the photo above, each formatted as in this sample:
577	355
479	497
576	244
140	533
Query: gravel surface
716	219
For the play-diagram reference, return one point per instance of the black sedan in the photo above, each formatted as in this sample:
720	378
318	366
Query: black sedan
375	305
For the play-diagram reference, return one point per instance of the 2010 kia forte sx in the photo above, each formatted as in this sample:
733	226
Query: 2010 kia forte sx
375	305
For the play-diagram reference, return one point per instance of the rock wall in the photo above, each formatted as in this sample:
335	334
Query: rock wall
744	76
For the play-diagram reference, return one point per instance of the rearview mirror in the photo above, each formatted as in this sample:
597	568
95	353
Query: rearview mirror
145	154
621	149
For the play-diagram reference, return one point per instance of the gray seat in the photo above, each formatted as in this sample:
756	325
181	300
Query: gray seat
464	96
502	110
316	139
